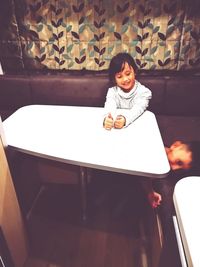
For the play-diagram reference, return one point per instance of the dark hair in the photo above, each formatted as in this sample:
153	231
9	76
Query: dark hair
194	147
117	65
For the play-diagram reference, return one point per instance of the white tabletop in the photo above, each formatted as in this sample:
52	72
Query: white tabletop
76	135
187	204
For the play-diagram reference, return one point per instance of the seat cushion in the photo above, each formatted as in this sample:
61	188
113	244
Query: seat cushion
182	96
72	91
175	128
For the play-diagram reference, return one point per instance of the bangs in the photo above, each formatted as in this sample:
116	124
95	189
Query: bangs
120	66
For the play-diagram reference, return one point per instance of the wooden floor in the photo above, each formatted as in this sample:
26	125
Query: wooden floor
111	236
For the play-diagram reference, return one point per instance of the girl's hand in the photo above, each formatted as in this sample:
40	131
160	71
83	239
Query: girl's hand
119	122
154	199
108	122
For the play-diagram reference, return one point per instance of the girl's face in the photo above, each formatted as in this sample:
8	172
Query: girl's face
125	79
179	156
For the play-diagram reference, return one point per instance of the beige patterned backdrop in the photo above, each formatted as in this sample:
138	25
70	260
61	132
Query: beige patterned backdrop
85	34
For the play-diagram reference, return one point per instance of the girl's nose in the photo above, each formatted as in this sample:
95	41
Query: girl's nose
125	79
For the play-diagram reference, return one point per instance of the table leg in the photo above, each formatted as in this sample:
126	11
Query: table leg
83	189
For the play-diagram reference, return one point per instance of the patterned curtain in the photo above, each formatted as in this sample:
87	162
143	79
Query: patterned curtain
85	34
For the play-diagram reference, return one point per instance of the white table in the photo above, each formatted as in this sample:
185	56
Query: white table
187	204
76	135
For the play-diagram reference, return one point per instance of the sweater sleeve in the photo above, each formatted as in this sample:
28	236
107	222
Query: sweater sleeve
110	105
140	104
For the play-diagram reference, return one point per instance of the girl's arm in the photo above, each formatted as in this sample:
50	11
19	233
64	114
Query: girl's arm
140	104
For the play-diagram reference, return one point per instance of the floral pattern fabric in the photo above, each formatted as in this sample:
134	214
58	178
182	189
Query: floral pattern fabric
86	34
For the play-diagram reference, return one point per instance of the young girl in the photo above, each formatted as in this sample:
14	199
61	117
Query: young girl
183	156
128	98
184	159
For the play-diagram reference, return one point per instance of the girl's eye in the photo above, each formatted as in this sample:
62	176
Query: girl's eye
118	76
179	163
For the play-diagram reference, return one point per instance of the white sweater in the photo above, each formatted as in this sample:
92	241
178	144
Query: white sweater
130	105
